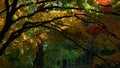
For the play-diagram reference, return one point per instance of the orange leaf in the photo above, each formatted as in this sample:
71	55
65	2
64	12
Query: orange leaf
104	2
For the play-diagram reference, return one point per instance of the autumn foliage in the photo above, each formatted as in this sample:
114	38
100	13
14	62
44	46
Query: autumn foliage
104	2
96	30
57	30
1	22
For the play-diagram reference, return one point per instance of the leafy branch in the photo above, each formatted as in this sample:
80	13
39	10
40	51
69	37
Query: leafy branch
77	44
26	26
100	24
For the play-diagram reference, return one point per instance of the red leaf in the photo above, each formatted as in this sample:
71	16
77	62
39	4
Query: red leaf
96	30
104	2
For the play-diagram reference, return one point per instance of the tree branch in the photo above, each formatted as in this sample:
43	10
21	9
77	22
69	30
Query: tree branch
51	7
85	49
26	26
13	7
8	21
109	13
100	24
3	10
30	3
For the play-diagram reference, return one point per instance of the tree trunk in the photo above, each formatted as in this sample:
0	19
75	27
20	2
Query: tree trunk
64	63
38	62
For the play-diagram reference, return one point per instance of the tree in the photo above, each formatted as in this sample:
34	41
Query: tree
20	16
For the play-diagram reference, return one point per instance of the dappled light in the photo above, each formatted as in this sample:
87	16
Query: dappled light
59	34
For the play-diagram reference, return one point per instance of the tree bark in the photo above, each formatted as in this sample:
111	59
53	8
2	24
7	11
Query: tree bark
39	62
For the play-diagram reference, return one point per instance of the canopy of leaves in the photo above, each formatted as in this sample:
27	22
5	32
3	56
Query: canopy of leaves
69	27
